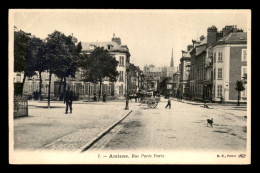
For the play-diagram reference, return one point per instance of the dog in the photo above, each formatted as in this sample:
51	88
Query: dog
210	122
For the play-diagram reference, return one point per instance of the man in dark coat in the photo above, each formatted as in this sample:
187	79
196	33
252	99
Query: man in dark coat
104	97
169	102
68	100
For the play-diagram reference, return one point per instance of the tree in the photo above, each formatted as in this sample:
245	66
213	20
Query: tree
239	87
70	64
57	56
23	61
98	65
37	46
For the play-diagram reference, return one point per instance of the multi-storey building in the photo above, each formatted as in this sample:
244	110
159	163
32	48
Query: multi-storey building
229	65
176	82
121	54
193	70
202	70
85	89
184	72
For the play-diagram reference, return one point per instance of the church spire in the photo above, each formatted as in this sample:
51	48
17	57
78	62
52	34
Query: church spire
172	59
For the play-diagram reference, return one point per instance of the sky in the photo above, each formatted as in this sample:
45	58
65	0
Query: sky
149	34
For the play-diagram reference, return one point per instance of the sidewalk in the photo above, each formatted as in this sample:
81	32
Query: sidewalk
227	108
52	129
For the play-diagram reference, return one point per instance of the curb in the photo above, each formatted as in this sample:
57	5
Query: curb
100	135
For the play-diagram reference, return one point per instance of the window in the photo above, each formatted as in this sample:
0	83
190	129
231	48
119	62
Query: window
219	56
121	60
121	90
244	54
86	89
46	88
214	57
243	71
219	90
37	87
109	89
18	79
91	90
219	73
97	89
30	87
213	91
214	74
121	76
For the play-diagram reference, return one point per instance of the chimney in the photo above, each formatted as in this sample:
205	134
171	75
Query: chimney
193	43
117	40
235	28
189	47
202	38
227	30
211	35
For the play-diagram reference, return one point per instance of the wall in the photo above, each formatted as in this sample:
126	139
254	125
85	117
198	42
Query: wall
235	69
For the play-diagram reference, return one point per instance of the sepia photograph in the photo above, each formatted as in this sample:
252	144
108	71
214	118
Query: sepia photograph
129	86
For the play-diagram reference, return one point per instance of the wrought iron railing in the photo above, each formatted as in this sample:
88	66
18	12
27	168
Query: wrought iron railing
20	106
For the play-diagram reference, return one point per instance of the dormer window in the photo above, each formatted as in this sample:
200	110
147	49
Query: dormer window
91	47
109	46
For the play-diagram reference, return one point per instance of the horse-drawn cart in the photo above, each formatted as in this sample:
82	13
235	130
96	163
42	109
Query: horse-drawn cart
149	99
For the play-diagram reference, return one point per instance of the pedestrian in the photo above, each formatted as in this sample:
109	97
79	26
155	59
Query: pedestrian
68	100
104	97
95	97
168	103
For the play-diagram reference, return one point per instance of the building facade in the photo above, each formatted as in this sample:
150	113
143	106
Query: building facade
121	54
84	90
185	61
229	65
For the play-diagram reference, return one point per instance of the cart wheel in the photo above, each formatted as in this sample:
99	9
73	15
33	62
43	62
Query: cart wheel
152	103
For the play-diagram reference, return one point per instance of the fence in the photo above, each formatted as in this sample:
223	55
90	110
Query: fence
20	107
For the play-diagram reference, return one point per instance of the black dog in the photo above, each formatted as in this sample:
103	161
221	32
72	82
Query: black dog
210	122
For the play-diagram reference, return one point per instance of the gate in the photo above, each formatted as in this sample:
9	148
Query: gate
20	107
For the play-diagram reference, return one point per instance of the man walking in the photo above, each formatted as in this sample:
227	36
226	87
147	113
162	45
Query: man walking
68	99
169	102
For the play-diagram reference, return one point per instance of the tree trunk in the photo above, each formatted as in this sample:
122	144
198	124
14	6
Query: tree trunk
100	85
59	88
89	92
238	99
40	86
49	90
23	83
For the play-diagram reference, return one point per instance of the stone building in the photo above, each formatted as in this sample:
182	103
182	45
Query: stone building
122	55
82	89
229	65
184	86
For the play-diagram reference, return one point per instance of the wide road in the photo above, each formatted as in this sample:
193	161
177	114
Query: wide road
184	127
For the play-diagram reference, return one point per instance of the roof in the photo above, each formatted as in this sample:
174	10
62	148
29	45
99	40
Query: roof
115	46
204	41
233	38
203	49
